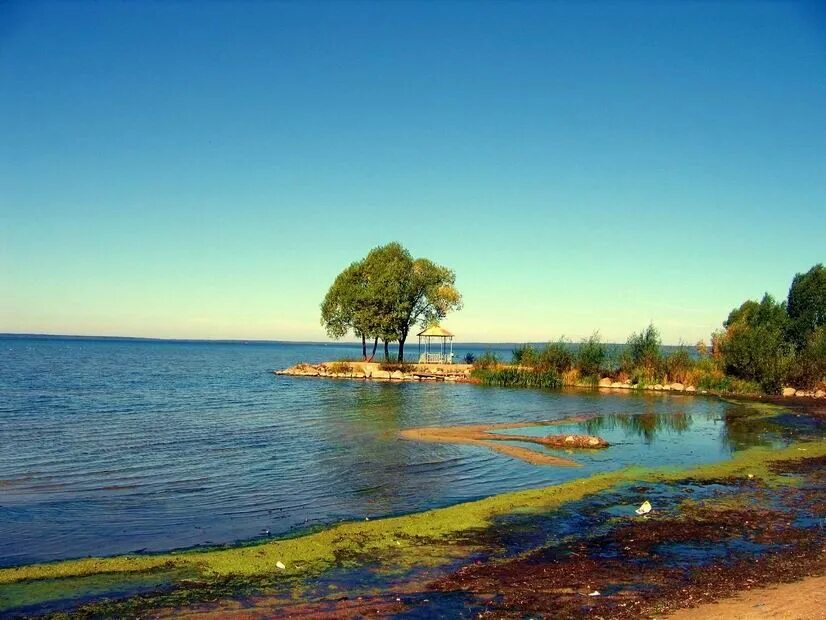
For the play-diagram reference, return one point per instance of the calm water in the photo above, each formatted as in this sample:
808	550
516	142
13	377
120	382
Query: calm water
121	446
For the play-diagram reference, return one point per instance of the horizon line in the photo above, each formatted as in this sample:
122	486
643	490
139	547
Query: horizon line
267	341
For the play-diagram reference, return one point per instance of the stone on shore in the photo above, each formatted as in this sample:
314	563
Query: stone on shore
789	391
605	382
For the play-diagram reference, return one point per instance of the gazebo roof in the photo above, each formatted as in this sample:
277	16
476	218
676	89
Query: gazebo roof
437	331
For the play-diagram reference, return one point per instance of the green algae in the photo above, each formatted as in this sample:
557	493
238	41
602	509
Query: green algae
430	538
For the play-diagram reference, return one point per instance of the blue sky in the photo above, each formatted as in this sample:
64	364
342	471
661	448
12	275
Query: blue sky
205	170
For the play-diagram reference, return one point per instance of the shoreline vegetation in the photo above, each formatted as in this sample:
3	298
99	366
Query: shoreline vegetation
763	348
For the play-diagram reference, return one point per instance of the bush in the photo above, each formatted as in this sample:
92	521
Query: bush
644	349
556	356
590	358
470	358
809	370
524	355
754	346
678	365
488	359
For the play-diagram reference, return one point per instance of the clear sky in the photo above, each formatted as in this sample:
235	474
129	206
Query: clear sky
204	170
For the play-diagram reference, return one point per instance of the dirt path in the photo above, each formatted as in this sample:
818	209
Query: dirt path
801	600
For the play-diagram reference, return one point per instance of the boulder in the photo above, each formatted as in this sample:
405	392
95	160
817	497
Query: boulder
691	388
788	391
800	393
678	387
617	384
658	386
605	382
380	374
820	394
398	375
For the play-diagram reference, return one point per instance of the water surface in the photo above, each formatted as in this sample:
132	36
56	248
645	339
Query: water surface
111	447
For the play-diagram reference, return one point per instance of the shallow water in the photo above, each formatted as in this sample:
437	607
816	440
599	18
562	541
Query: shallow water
119	446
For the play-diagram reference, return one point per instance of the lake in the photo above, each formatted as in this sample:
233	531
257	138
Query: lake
120	446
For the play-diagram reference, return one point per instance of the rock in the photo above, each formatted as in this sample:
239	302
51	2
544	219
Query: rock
658	386
280	565
617	384
800	393
820	394
398	375
380	374
678	387
644	508
691	388
574	441
605	382
788	391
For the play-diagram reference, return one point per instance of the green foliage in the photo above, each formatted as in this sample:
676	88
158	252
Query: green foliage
591	356
386	293
517	377
644	348
487	360
678	365
524	355
809	370
807	305
754	346
554	356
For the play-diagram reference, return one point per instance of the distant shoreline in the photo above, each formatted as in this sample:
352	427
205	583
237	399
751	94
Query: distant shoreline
321	343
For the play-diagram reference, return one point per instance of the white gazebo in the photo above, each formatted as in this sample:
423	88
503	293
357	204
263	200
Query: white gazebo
439	352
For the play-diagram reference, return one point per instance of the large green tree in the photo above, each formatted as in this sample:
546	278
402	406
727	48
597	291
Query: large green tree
385	294
807	305
754	345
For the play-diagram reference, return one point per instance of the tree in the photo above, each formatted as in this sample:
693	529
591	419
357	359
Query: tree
345	305
806	305
385	294
754	345
424	294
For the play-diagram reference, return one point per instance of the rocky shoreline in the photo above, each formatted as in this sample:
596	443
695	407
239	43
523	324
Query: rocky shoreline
461	373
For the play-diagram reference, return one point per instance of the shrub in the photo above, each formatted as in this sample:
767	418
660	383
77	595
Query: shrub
556	356
470	358
809	370
590	357
488	359
644	349
754	346
524	355
678	365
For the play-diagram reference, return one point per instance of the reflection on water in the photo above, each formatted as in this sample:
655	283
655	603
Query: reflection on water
115	447
646	425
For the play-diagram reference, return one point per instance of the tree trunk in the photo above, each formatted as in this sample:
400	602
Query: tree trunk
363	347
375	344
386	351
401	350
